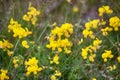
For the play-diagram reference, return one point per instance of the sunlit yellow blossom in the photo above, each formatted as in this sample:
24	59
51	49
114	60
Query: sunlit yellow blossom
31	15
32	66
81	41
57	73
94	79
75	9
96	42
5	44
53	77
105	9
84	53
106	30
17	29
3	75
107	54
25	44
115	22
91	57
56	59
92	24
59	38
15	61
112	67
10	53
87	32
118	58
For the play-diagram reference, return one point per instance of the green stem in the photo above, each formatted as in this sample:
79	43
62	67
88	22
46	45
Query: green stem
13	52
41	34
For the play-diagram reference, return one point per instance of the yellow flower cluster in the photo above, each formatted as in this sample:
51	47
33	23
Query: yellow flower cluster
112	67
106	30
57	73
107	54
75	9
31	15
18	31
17	61
94	79
25	44
59	38
55	59
3	75
105	9
118	58
91	49
10	53
87	32
114	22
5	44
32	66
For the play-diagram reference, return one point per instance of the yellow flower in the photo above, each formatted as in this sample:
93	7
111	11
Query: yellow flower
10	53
75	9
94	79
96	43
5	44
24	44
68	1
59	38
53	77
105	9
56	59
17	29
3	75
31	15
118	58
107	54
114	22
84	53
101	11
81	41
87	33
32	66
106	30
112	67
15	61
91	57
57	73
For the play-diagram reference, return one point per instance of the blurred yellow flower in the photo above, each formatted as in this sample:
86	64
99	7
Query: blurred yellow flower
32	66
56	59
75	9
53	77
31	15
59	38
17	29
112	67
105	9
25	44
3	75
94	79
118	58
10	53
107	54
114	22
5	44
57	73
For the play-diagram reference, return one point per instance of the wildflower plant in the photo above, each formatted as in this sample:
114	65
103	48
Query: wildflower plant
65	51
